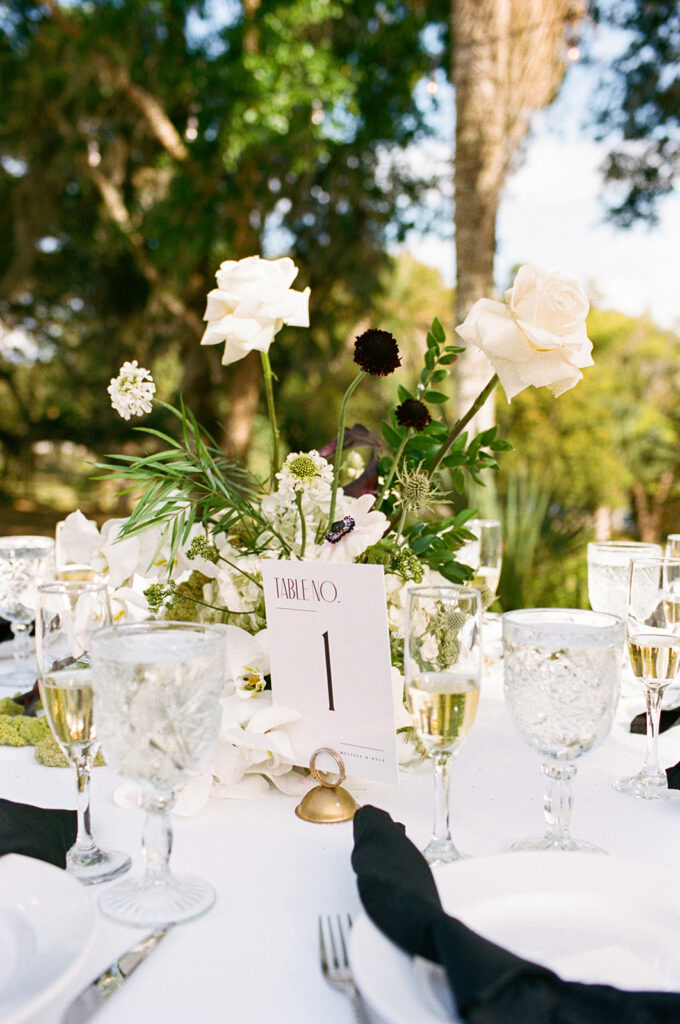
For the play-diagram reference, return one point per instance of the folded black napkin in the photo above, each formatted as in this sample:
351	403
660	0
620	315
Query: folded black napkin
38	832
666	721
490	984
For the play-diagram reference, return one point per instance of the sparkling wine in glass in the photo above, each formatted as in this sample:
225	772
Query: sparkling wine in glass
156	687
25	562
654	650
68	613
484	555
443	665
562	672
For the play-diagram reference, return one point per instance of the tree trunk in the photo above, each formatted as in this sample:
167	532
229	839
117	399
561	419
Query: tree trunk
508	59
649	509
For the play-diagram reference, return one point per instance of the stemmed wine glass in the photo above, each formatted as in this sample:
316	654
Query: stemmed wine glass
157	686
443	667
562	676
25	562
672	549
68	613
484	555
654	649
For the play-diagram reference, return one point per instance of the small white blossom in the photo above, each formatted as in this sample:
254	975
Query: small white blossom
132	390
307	473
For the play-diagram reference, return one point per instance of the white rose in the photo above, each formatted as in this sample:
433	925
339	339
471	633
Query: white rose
539	338
252	301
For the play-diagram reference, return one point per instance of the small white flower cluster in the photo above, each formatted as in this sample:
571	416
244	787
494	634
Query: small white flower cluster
132	390
307	473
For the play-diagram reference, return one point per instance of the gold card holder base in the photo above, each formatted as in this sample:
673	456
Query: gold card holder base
328	802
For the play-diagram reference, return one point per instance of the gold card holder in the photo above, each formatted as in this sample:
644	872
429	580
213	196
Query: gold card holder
328	802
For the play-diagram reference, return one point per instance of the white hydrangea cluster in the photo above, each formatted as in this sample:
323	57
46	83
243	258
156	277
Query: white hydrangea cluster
132	390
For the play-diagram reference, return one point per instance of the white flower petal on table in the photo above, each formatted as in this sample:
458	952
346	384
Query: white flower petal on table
249	787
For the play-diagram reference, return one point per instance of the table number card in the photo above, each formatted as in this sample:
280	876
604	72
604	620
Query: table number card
330	660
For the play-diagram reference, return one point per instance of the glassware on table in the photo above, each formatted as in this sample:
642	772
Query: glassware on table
654	647
562	675
608	563
443	667
156	687
484	555
672	548
67	615
25	562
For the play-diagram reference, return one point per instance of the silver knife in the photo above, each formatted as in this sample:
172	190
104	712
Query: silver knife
102	988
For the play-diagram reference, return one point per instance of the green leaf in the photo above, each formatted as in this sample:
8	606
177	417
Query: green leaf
438	331
403	393
459	481
438	397
392	436
440	375
430	359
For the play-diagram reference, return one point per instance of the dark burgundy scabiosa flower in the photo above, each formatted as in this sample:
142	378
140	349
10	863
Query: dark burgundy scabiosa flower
412	413
377	352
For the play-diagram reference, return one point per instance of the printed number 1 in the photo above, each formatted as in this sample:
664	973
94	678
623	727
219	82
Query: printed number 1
329	675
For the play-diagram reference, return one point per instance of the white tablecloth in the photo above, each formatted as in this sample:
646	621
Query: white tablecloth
254	957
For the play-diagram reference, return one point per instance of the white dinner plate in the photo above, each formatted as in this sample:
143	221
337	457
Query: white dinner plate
47	928
589	917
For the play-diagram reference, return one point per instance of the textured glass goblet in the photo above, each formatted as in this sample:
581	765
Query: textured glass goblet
608	563
442	667
562	677
156	687
68	613
654	648
25	562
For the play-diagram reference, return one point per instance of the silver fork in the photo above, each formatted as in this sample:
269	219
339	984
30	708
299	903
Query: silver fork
335	962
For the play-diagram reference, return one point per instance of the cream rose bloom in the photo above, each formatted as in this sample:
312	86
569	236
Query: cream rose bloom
538	338
252	301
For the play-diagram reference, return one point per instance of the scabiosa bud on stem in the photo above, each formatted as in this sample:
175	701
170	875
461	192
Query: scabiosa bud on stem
377	352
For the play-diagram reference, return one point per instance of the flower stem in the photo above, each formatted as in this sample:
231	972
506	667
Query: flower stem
271	410
303	524
339	442
460	425
390	476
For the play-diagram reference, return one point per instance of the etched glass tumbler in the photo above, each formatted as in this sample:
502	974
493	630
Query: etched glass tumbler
608	564
156	701
562	677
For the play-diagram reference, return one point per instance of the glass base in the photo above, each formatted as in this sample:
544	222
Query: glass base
145	904
647	786
442	851
97	865
550	842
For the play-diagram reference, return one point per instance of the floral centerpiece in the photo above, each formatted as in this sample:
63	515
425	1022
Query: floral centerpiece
193	545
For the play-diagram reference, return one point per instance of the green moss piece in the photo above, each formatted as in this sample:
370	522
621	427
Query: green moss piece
9	707
48	752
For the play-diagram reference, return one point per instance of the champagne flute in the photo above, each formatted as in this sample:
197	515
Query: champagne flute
68	613
443	667
156	687
654	649
25	562
484	555
562	671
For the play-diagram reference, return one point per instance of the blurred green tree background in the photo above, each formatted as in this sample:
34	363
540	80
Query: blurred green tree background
143	142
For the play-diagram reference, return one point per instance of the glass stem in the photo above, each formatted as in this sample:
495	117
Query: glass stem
157	838
84	843
557	802
653	698
22	640
442	774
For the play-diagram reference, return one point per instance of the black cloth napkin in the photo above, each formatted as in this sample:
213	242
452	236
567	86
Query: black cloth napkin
667	720
39	832
490	984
